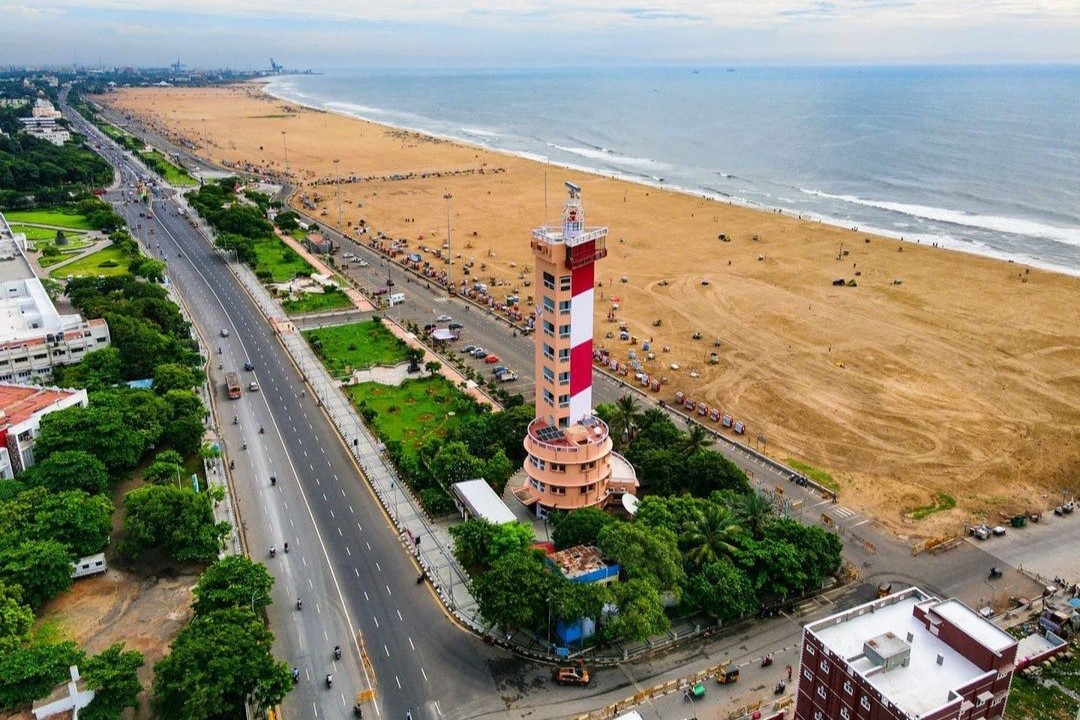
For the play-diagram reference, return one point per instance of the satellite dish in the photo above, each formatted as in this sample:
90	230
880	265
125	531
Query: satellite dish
630	503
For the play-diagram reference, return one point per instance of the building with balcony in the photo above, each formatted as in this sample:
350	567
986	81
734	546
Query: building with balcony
570	462
21	410
907	656
34	336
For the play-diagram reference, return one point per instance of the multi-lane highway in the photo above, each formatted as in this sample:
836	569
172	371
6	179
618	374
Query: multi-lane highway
356	581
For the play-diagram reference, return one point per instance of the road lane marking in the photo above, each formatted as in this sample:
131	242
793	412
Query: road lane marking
378	566
396	679
411	643
332	514
424	674
376	619
399	616
357	571
348	551
388	590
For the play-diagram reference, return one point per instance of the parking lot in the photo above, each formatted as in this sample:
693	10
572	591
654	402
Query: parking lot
1047	547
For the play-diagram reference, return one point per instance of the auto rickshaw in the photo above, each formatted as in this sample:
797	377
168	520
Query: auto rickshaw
728	674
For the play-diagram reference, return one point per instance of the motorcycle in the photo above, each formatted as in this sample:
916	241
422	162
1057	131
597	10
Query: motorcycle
235	419
299	604
273	480
261	431
273	551
337	652
286	548
766	661
295	676
232	464
779	689
329	681
420	579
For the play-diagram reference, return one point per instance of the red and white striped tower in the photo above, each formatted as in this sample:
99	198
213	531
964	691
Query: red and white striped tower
569	451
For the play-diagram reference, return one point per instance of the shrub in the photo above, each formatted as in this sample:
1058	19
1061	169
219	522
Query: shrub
436	501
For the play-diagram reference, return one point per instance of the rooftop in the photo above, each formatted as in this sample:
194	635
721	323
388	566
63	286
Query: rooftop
590	430
923	684
483	502
20	402
578	560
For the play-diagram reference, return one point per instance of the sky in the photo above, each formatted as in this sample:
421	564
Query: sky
333	34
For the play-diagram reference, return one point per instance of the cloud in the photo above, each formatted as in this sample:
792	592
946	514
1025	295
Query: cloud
30	13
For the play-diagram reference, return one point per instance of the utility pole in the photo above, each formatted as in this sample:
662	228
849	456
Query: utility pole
337	182
449	253
286	148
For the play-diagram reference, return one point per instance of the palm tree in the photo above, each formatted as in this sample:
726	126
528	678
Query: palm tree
624	420
753	510
696	440
713	536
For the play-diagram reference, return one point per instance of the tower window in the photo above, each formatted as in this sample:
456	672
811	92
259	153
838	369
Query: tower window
549	374
564	307
564	400
564	330
564	282
549	352
564	355
564	378
549	281
549	304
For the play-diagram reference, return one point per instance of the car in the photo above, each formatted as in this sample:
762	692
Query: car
249	366
569	675
998	530
466	349
443	318
253	387
455	326
361	263
491	359
430	328
497	370
382	291
224	332
479	352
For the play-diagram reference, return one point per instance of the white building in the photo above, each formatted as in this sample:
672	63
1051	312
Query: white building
21	410
33	335
44	109
45	128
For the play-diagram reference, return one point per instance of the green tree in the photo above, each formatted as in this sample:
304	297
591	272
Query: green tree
644	553
147	268
672	513
571	601
16	619
662	470
580	527
102	432
113	676
696	440
42	568
510	538
454	463
69	470
432	366
501	592
174	376
641	611
498	470
216	662
708	471
625	419
98	370
184	403
820	550
184	434
233	582
714	536
722	591
31	672
164	473
774	567
472	541
177	520
754	510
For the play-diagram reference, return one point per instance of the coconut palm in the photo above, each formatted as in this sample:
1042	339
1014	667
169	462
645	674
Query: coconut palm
624	420
696	440
753	510
713	536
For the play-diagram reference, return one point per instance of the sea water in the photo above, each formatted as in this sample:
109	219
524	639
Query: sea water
982	159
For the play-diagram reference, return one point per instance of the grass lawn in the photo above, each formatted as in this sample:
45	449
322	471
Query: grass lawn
414	411
1030	700
345	348
172	174
941	502
60	218
280	259
108	262
316	302
50	261
819	476
44	236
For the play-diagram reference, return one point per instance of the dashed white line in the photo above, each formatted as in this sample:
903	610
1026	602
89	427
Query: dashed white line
424	674
399	615
378	567
411	643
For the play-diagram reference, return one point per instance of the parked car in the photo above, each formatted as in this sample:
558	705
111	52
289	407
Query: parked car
998	530
981	532
249	366
443	318
224	332
430	328
498	370
491	359
568	675
468	349
479	352
382	291
455	326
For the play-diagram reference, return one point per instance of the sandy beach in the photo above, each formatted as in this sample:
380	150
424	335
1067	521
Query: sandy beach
940	372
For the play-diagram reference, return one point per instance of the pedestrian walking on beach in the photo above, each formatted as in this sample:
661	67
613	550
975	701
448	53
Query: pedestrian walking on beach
789	673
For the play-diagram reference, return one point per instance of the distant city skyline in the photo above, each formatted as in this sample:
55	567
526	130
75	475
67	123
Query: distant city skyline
321	34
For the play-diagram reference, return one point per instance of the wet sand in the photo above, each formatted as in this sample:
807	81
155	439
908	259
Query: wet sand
940	372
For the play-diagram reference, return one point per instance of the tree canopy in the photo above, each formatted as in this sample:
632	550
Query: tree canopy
113	676
233	582
177	520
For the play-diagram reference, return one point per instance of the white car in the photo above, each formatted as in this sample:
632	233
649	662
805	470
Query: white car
443	318
224	332
361	263
253	387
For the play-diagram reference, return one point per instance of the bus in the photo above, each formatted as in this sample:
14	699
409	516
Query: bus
232	382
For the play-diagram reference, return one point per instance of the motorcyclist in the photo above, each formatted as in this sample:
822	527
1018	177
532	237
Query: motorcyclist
235	419
295	675
244	446
299	604
337	652
273	480
329	680
273	551
232	464
261	430
286	547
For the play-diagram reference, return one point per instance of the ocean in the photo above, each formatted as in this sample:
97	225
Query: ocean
980	159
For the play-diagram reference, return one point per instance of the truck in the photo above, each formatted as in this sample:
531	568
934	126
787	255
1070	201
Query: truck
232	385
395	299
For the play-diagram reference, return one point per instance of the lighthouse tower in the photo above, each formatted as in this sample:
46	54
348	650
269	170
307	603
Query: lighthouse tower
569	463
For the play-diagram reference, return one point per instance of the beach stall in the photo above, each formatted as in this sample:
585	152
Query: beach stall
714	414
680	396
654	385
739	427
726	421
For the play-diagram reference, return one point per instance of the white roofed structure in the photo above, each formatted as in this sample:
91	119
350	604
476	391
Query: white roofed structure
476	499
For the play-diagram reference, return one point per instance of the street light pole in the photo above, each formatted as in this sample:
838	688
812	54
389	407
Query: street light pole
286	148
449	252
337	172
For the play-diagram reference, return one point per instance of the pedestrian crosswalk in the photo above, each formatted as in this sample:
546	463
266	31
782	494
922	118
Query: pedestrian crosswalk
842	512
